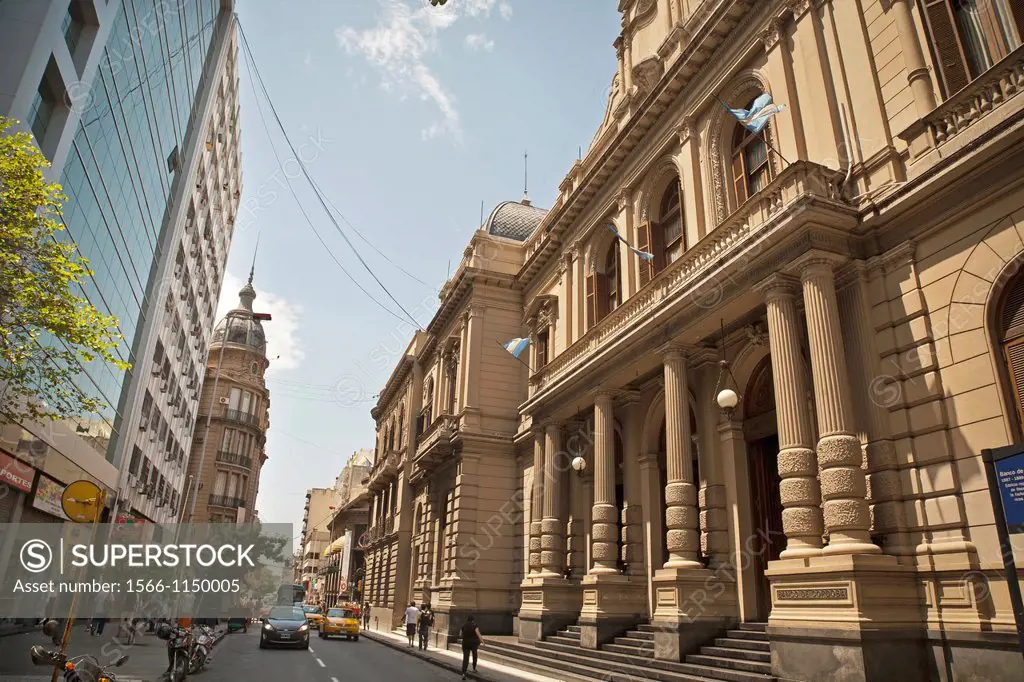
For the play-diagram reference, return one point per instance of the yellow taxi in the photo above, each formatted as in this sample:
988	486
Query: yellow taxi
340	622
313	615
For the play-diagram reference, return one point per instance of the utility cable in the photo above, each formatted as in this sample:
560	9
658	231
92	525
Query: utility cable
305	172
295	196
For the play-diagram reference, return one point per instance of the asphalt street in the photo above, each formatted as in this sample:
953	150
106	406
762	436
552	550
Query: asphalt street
238	657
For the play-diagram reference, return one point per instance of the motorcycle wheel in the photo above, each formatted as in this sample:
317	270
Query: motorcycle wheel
179	670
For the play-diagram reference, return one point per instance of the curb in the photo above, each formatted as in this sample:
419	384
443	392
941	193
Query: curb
418	653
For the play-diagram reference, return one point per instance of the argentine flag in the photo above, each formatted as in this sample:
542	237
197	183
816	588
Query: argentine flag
517	346
756	117
643	255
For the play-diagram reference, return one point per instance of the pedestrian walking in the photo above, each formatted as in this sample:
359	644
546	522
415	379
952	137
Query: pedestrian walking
471	641
412	615
366	616
426	622
99	620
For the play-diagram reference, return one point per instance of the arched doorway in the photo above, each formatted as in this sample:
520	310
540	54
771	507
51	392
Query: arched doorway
760	431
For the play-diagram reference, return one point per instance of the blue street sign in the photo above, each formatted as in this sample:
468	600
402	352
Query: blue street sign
1010	479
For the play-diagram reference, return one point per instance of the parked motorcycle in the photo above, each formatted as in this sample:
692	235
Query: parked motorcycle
77	669
179	646
202	644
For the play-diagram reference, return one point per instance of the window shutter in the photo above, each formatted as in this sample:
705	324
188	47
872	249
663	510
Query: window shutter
682	213
945	44
739	178
591	300
643	243
657	248
1015	365
602	296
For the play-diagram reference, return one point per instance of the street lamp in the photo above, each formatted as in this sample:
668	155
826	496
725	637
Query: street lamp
725	395
579	464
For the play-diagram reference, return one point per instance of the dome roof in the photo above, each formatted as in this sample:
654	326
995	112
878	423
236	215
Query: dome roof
240	325
514	220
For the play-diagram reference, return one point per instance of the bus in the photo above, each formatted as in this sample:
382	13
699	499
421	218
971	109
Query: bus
288	595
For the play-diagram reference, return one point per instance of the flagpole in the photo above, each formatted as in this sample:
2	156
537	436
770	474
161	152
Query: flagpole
764	138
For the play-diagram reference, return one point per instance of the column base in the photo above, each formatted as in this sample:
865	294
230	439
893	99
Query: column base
691	607
612	604
548	605
850	618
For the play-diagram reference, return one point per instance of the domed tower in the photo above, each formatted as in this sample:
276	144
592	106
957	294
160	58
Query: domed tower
234	415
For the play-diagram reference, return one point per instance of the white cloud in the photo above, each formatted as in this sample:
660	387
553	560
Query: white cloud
479	41
308	61
283	344
399	47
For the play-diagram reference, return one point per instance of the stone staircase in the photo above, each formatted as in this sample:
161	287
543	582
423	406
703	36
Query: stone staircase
743	655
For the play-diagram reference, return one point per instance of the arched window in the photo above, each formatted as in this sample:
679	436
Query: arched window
968	37
670	225
1010	333
665	239
604	284
613	285
751	165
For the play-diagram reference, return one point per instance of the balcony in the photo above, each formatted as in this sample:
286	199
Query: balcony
229	502
240	417
384	471
713	265
436	443
234	459
977	110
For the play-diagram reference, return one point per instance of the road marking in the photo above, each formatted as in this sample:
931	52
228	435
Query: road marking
311	650
321	663
334	679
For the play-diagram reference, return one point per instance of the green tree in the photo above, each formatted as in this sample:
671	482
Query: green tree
48	331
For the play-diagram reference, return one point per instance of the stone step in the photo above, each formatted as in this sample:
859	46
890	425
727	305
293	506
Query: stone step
569	634
754	627
744	654
558	639
748	644
573	628
630	640
606	658
640	634
644	650
645	627
599	669
731	663
747	634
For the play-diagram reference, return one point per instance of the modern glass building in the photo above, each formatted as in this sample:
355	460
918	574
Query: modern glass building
135	103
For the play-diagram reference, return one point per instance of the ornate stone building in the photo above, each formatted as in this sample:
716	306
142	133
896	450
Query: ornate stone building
821	494
224	468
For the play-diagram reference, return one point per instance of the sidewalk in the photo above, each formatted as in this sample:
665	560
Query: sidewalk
452	660
7	629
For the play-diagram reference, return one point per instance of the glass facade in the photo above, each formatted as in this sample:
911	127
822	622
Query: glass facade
116	176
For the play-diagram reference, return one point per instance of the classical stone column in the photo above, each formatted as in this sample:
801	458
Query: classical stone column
798	463
788	125
688	163
913	57
536	501
552	543
605	532
821	121
681	515
885	494
632	513
839	453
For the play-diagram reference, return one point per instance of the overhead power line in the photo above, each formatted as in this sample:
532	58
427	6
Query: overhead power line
250	66
316	191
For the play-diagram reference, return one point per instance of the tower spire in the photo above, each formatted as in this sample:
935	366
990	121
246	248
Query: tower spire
252	270
526	176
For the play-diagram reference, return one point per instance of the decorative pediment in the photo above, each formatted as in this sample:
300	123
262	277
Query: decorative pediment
542	311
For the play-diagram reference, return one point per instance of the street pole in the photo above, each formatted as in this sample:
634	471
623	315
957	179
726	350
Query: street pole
65	640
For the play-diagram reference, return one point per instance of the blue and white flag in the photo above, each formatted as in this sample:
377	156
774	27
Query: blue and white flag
757	116
517	346
643	255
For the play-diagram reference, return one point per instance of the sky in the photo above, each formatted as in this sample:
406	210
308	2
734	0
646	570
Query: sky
407	117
